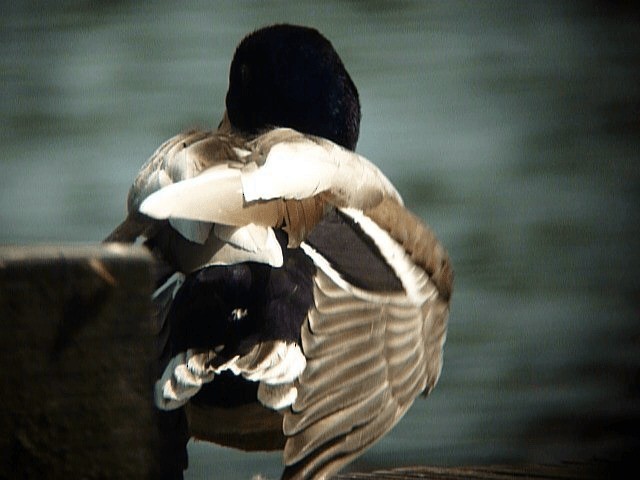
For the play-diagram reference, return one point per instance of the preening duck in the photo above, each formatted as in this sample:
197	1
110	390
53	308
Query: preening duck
301	306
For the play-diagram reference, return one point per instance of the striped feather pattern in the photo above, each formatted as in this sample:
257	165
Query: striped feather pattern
367	361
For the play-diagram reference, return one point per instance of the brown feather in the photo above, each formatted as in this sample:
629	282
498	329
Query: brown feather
418	240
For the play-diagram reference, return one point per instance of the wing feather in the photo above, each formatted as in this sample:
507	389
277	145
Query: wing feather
316	380
323	462
331	426
227	193
319	344
335	400
368	355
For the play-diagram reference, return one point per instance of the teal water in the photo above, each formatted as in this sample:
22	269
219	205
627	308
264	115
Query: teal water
510	127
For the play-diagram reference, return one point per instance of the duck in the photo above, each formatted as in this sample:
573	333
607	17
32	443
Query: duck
300	306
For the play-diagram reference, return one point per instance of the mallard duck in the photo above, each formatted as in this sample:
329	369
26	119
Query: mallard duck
303	306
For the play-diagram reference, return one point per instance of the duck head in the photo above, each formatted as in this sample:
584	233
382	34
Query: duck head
291	76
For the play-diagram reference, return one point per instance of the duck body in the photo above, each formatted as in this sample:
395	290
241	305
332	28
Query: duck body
300	305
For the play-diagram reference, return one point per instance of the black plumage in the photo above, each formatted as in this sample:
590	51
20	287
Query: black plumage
237	306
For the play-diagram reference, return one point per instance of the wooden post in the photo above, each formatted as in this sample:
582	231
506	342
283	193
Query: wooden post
76	363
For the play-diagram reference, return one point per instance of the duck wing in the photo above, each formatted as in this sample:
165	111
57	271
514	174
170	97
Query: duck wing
168	164
370	349
183	243
281	179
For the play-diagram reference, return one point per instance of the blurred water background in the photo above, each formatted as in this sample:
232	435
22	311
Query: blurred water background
510	127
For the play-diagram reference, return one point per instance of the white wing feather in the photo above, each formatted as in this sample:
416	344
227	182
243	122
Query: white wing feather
306	167
292	170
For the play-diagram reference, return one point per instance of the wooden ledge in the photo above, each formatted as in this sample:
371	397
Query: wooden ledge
76	358
562	471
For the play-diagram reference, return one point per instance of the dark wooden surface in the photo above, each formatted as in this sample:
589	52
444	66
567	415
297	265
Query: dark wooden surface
563	471
75	363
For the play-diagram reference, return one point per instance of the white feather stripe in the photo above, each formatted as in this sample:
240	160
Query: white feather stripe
345	287
415	281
